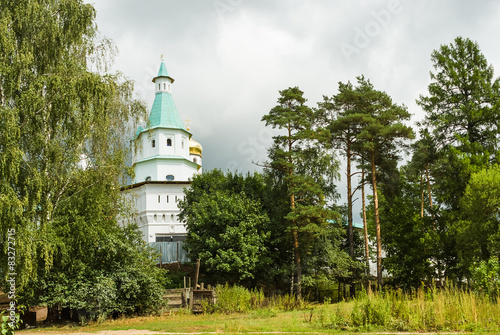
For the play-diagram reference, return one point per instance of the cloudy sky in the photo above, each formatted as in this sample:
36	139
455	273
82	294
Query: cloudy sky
229	58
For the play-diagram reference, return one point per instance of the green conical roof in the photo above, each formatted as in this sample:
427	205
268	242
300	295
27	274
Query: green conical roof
163	73
163	70
164	113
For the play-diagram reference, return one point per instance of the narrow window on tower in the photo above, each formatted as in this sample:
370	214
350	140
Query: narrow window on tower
159	86
153	143
158	199
164	86
167	199
169	142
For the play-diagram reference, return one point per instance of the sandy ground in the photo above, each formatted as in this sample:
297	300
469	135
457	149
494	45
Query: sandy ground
103	332
149	332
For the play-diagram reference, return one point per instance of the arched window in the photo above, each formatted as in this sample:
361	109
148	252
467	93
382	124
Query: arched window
169	142
182	144
159	199
153	143
159	86
164	86
195	160
148	178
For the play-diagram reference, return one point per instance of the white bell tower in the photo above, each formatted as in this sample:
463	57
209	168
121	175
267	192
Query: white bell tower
166	161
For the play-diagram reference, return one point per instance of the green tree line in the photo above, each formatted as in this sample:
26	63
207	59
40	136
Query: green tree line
63	154
430	218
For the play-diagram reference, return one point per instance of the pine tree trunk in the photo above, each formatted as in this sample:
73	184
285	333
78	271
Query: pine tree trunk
377	224
349	205
295	233
352	289
422	195
430	194
297	263
365	227
438	263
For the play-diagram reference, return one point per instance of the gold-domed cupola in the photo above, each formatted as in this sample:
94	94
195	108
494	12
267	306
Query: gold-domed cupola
195	148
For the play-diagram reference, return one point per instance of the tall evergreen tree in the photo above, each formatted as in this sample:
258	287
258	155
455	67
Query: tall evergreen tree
462	114
344	127
382	135
462	117
307	203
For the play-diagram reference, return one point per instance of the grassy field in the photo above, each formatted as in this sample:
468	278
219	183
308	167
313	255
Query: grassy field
240	311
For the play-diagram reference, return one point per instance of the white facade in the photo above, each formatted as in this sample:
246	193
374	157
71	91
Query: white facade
157	210
166	160
162	153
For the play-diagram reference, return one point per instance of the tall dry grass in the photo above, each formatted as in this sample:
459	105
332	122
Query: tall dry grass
424	310
237	299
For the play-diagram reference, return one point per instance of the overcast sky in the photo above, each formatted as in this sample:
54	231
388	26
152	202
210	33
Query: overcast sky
229	58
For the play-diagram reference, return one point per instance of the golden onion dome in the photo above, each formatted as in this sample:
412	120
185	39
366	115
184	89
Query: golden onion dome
195	148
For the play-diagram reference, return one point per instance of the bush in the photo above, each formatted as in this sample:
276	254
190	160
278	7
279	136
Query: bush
120	277
486	277
237	299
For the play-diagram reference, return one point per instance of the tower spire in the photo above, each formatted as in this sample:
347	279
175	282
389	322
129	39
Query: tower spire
164	113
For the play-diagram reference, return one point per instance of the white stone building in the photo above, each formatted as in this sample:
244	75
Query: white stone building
166	159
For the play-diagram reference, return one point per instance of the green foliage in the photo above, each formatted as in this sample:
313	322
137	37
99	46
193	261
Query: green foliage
294	159
226	230
478	233
408	239
118	276
462	106
424	310
62	162
329	261
345	125
380	136
237	299
486	277
462	113
7	325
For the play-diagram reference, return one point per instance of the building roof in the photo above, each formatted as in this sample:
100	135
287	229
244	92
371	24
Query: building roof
195	148
355	225
163	73
164	113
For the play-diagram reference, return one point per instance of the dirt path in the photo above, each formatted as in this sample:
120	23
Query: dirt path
149	332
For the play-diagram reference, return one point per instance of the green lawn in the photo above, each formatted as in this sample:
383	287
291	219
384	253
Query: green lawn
316	319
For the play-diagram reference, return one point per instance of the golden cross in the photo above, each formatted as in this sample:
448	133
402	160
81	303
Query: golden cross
162	57
187	122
